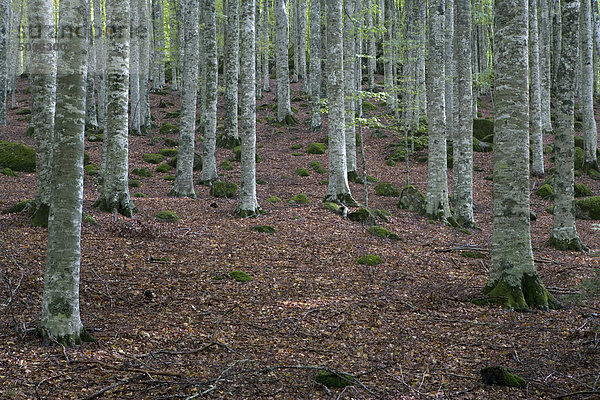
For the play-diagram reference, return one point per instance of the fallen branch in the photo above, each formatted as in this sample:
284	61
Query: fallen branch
129	369
114	385
583	393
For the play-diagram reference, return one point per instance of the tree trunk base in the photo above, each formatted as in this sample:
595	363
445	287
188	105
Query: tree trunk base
529	293
175	193
65	340
40	214
249	213
289	120
567	244
345	199
120	202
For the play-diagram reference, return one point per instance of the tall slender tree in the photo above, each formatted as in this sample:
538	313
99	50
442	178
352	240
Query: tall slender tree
449	67
4	33
284	108
144	48
100	63
114	195
545	36
43	94
159	44
513	277
564	232
586	102
350	30
91	118
60	319
134	72
230	137
315	64
535	99
436	205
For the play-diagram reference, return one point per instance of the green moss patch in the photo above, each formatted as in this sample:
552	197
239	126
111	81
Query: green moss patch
197	162
546	191
169	152
274	199
579	141
20	206
334	380
411	199
263	229
144	172
302	172
92	169
581	190
226	165
140	194
24	111
299	199
588	208
9	172
167	216
169	178
316	148
88	219
167	129
370	260
579	158
317	167
240	276
296	147
333	207
223	189
153	158
382	232
472	254
171	142
163	168
17	157
172	114
387	190
497	375
483	127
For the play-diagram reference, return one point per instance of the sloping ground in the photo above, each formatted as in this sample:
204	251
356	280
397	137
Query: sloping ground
171	323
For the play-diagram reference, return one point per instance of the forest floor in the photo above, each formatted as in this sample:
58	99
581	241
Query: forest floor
171	323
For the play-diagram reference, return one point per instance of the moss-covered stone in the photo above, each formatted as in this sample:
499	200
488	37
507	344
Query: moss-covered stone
20	206
140	194
153	158
368	106
97	137
592	173
169	178
163	168
317	167
334	380
274	199
316	148
296	147
169	152
240	276
197	162
172	114
579	158
578	125
387	190
476	145
333	207
263	229
24	111
17	157
223	189
546	191
167	129
364	216
483	127
489	139
171	142
382	232
411	199
579	141
299	199
9	172
144	172
167	216
369	259
501	376
226	165
581	190
302	172
92	169
30	131
588	208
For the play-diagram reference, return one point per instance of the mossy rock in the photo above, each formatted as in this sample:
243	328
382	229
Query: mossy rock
92	169
592	173
172	114
88	219
579	158
316	148
9	172
237	151
411	199
223	189
368	106
153	158
302	172
546	191
167	216
24	111
240	276
382	232
296	147
226	165
169	178
274	199
17	157
489	139
483	127
20	206
364	216
140	194
333	207
299	199
387	190
144	172
476	145
30	131
501	376
297	154
134	183
397	155
582	191
197	162
163	168
317	167
588	208
169	152
263	229
334	380
579	141
167	129
261	181
390	163
370	260
171	142
578	125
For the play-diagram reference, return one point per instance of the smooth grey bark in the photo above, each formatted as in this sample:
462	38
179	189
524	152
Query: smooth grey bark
4	34
436	204
535	99
301	20
231	73
324	48
100	64
174	42
284	108
372	44
293	23
248	203
556	41
258	51
184	175
265	47
564	232
315	65
159	44
545	36
60	318
144	81
513	277
14	55
338	190
421	43
91	119
42	80
586	101
114	195
134	72
388	57
449	68
462	188
350	28
209	145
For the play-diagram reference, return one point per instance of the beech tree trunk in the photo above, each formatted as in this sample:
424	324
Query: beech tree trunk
134	72
60	319
43	97
284	108
91	119
159	44
144	82
100	64
545	39
315	65
231	71
513	277
349	85
586	102
564	232
535	106
449	68
4	34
